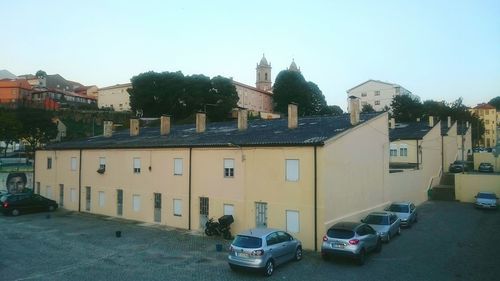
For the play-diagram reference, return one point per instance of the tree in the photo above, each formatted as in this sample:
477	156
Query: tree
333	110
406	108
436	108
41	74
37	126
10	128
495	102
223	96
367	108
318	102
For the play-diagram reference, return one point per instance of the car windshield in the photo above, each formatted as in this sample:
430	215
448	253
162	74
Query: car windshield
486	196
485	164
340	233
376	219
247	242
398	208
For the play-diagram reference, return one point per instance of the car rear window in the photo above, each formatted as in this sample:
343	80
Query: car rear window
340	233
399	208
374	219
486	195
247	242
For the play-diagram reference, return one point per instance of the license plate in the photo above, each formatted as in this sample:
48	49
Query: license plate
337	245
244	255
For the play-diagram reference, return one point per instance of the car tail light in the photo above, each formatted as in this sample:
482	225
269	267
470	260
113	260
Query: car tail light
325	238
354	241
6	205
258	252
231	248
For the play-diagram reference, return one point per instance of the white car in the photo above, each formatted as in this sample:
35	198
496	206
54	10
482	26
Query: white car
486	200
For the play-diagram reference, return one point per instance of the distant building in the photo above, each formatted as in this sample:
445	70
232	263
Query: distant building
376	93
114	97
91	91
488	114
14	92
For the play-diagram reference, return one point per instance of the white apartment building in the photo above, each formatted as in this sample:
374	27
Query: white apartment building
116	97
376	93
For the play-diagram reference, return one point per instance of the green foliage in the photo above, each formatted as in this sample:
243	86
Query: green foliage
334	110
291	87
37	126
495	102
41	73
10	128
181	96
367	108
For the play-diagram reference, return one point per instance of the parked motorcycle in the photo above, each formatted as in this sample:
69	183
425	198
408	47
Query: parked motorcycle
220	227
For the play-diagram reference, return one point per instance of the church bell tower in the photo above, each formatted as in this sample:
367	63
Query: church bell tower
263	69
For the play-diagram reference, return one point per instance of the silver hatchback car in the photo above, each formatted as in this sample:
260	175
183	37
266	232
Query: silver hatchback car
486	200
386	224
351	239
263	249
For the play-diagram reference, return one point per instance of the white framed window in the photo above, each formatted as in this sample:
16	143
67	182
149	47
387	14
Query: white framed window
72	193
393	150
292	169
102	163
229	209
363	94
73	163
102	199
403	150
178	169
137	165
377	93
178	207
292	221
228	168
136	202
49	163
377	102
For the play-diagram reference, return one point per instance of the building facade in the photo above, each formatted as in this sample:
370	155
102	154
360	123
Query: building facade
115	97
14	91
376	93
488	114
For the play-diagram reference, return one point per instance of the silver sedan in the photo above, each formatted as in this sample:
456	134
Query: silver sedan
385	223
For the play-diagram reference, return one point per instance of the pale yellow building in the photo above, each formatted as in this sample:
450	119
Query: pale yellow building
115	97
488	114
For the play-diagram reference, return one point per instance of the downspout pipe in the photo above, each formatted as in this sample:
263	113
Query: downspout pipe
189	188
418	151
80	183
315	200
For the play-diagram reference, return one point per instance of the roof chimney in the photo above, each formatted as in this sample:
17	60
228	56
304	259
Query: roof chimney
431	121
242	119
108	129
164	125
200	122
392	123
292	116
449	121
134	127
354	106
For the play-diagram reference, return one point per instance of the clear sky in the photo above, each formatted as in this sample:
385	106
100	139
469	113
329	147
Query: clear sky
439	50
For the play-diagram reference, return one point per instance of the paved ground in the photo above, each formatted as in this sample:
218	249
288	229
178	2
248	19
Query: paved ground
452	241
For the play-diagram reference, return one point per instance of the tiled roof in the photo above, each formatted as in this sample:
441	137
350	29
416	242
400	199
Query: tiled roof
128	85
409	131
251	88
311	131
372	80
484	106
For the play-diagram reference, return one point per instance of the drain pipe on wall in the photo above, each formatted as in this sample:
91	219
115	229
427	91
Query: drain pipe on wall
80	183
189	187
315	201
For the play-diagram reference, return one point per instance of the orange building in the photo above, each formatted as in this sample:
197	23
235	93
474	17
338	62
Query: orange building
13	92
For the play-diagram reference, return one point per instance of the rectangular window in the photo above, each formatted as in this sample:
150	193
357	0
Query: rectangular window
363	94
486	122
229	209
102	163
49	163
292	221
228	168
377	102
377	93
177	166
101	199
137	165
73	163
393	151
292	169
403	150
73	195
136	202
178	207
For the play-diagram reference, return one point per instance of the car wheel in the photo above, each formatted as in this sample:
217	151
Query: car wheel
399	230
208	232
378	248
269	269
15	212
298	254
361	257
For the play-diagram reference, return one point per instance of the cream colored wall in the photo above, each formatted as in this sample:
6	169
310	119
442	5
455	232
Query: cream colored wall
450	146
254	100
114	96
387	92
412	151
468	185
488	158
489	117
352	170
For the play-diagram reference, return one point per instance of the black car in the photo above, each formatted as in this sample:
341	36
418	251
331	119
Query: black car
485	168
15	204
459	167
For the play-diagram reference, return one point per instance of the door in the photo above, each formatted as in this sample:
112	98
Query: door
157	206
61	195
260	214
87	198
119	202
369	236
203	211
287	245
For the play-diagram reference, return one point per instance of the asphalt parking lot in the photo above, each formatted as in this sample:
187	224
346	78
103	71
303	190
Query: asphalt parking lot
451	241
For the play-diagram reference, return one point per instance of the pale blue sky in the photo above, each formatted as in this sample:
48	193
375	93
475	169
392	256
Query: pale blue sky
439	50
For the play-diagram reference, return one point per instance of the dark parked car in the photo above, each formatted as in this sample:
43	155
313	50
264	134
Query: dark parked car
15	204
485	168
459	167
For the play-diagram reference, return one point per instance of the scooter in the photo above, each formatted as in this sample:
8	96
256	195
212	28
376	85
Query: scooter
220	227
